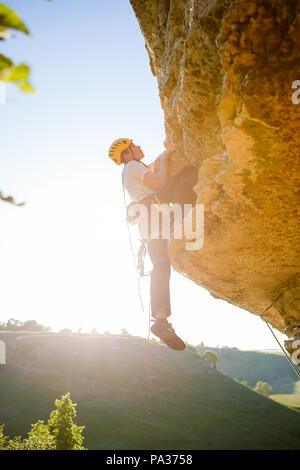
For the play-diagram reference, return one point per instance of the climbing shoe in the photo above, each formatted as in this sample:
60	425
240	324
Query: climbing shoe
164	331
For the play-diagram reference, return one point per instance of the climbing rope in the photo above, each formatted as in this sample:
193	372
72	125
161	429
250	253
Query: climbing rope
148	342
253	310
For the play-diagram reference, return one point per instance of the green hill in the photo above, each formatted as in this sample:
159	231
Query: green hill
253	366
182	404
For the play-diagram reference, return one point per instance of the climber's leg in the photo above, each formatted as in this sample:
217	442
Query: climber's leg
160	279
160	295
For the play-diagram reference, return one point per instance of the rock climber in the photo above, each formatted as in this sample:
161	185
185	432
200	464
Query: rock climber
151	185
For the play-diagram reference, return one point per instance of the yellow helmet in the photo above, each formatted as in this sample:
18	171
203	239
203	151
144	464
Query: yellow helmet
117	148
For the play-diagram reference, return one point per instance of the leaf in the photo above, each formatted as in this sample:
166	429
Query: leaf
17	74
20	74
5	62
11	200
9	19
26	87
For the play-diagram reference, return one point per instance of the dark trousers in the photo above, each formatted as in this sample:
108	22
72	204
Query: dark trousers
179	189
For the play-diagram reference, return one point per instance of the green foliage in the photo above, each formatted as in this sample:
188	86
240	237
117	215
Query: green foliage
39	438
3	439
60	433
242	382
9	72
210	356
263	388
10	20
18	74
67	435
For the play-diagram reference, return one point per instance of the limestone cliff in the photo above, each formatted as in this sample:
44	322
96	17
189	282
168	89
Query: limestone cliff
225	70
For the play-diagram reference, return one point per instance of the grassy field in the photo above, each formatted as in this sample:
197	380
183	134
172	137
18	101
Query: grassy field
181	404
292	399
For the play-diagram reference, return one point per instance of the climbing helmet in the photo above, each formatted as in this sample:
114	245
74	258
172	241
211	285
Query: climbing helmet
117	147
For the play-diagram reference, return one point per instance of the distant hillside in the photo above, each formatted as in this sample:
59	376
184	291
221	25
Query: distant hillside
254	366
182	404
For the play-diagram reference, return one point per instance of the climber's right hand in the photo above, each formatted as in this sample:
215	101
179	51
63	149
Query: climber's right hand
167	154
169	146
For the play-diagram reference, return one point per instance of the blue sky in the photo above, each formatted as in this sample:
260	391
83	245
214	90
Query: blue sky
65	256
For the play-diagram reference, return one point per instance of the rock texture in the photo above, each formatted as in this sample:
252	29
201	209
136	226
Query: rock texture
225	70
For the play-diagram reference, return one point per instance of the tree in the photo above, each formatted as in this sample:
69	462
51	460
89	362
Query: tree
263	388
212	357
67	434
17	325
193	350
65	331
13	324
60	433
33	325
3	439
242	382
39	438
124	332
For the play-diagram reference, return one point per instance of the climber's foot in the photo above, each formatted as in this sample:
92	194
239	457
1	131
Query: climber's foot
164	331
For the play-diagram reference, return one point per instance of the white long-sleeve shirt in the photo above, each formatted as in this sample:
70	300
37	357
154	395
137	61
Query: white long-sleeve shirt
133	175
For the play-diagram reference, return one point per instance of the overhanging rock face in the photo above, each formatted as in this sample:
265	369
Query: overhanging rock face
225	71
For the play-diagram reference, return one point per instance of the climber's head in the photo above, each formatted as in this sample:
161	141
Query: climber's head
124	150
133	152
